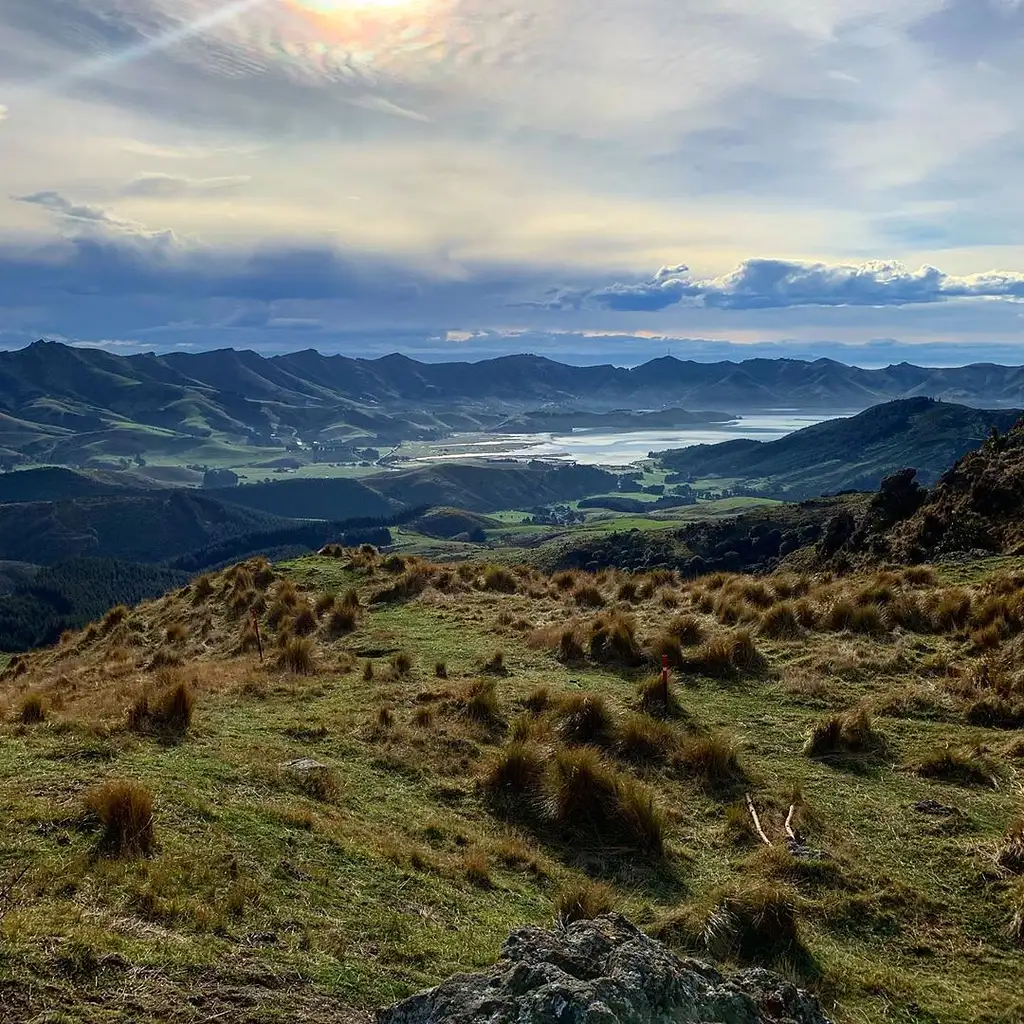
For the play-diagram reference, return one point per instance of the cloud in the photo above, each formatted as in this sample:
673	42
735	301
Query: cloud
782	284
168	186
59	204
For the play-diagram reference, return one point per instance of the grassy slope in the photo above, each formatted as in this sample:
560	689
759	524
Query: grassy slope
262	900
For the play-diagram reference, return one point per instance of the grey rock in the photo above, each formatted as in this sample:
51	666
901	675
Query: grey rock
604	971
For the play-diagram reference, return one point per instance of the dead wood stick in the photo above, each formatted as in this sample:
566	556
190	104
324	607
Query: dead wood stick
790	831
757	821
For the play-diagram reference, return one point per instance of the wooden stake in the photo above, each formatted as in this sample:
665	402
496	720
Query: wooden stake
757	821
664	681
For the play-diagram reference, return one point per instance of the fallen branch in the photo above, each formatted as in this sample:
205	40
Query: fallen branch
757	821
789	825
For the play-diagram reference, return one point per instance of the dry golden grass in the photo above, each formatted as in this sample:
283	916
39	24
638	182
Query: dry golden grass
851	732
125	810
583	902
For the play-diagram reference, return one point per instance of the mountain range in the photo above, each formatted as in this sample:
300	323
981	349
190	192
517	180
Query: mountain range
852	453
66	404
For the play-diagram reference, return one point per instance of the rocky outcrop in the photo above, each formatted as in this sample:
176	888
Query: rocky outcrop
604	971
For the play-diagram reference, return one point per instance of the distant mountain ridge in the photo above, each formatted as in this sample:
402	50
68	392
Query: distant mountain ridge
854	453
58	401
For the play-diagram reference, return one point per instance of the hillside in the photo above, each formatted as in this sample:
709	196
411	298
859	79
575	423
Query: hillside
75	405
430	756
143	527
847	454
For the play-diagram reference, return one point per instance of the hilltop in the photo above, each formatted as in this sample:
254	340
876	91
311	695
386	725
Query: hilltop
846	454
430	756
72	405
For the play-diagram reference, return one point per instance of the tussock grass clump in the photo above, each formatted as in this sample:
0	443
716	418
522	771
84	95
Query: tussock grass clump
202	589
539	700
176	632
169	711
570	650
653	699
669	598
343	619
627	592
324	603
440	670
586	595
423	718
1009	855
667	646
589	801
713	758
780	622
906	611
966	766
728	654
368	671
515	779
409	585
564	580
756	922
757	593
583	902
322	784
645	740
845	615
477	869
115	617
687	629
920	576
125	810
402	663
851	732
495	664
1015	926
730	609
613	640
296	655
585	718
304	621
480	703
952	612
996	712
32	710
499	580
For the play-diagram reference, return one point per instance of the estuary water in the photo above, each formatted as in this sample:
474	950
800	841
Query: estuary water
611	448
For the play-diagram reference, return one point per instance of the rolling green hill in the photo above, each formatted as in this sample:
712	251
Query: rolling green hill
846	454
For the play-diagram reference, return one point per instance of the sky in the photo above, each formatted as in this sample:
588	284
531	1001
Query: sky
596	180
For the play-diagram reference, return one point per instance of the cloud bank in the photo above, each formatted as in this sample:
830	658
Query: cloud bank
781	284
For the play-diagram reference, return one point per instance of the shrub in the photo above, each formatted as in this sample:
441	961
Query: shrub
585	718
586	595
851	732
644	740
613	641
169	711
32	710
343	619
964	767
125	810
296	656
591	802
498	579
480	702
780	622
570	650
583	902
515	779
714	758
